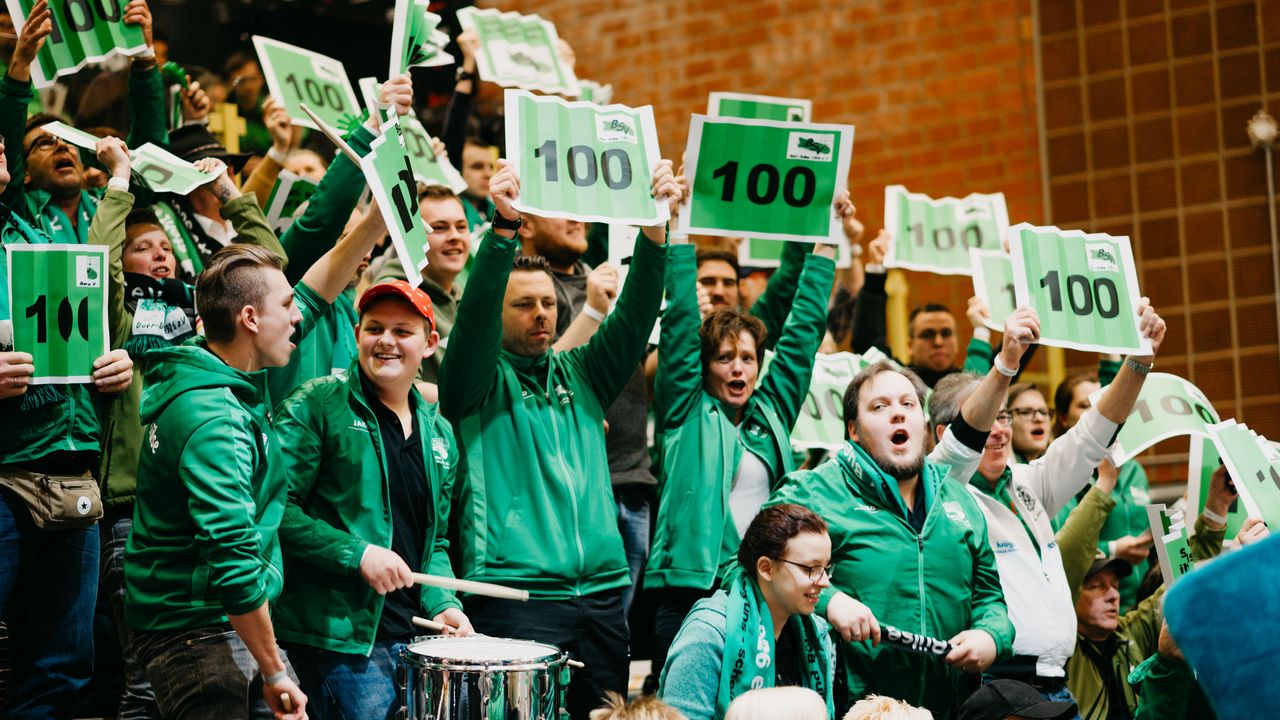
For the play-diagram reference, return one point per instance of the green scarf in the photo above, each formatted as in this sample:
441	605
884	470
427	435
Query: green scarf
862	466
163	313
749	651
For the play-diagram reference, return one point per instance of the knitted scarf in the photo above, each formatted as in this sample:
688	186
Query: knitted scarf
164	313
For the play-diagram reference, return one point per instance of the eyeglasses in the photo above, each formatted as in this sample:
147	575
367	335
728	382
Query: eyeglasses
815	572
1004	418
1023	413
930	334
45	142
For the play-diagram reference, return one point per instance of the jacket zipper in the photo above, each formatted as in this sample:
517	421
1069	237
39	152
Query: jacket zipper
573	495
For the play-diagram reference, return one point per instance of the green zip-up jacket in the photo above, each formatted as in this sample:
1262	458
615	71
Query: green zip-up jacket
147	124
340	503
1167	690
536	506
695	537
937	583
211	489
122	429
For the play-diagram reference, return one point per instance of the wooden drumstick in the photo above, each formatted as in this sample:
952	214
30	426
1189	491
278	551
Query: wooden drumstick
575	664
471	586
286	702
433	626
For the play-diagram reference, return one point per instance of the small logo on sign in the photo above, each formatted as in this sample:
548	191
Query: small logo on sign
88	271
795	114
1102	257
810	146
83	506
615	128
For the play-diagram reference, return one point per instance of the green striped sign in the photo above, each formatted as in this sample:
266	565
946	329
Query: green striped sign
296	75
1255	475
761	107
1084	287
936	235
390	176
58	302
583	161
84	31
993	284
1168	406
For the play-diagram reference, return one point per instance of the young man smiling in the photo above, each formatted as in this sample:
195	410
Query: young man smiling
351	444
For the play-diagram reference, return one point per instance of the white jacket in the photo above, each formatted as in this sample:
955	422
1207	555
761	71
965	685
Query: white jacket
1035	587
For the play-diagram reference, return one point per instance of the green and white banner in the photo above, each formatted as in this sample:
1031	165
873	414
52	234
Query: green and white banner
1256	476
427	168
84	31
415	41
936	235
592	91
1083	286
821	420
583	161
166	172
58	302
75	136
519	51
296	76
765	178
288	200
1169	530
759	107
1168	406
993	284
1202	461
390	176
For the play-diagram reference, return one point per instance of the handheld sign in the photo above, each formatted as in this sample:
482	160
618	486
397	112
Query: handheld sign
761	107
936	235
288	200
427	168
83	32
296	76
58	301
993	284
1084	287
387	170
1168	406
166	172
582	161
415	42
622	245
518	51
1169	528
764	178
1202	461
592	91
820	423
75	136
1255	476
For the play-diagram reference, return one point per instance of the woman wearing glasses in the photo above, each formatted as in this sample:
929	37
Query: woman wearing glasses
1031	422
759	630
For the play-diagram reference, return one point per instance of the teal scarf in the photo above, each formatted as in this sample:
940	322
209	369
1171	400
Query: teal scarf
862	466
749	650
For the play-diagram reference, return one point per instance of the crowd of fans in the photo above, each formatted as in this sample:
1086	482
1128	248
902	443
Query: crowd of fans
280	455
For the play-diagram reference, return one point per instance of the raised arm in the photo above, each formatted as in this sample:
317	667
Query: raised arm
15	97
679	379
1117	402
869	324
264	176
148	122
331	274
108	230
458	112
242	210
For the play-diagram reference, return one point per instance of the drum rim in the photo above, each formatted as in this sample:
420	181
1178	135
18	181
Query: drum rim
544	662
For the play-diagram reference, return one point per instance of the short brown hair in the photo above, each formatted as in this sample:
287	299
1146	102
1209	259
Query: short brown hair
1018	388
722	256
771	529
435	191
726	323
1063	396
852	392
228	284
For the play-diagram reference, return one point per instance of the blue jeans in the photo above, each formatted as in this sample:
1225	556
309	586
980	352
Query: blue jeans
206	673
48	586
634	508
139	701
342	686
1062	695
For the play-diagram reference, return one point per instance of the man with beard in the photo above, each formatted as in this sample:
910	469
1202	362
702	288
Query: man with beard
910	549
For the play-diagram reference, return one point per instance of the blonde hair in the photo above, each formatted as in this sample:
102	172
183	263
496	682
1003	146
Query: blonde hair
879	707
778	703
646	707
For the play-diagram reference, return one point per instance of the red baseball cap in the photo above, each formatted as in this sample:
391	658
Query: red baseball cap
404	291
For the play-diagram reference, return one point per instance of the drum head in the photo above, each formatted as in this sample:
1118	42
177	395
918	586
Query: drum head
482	650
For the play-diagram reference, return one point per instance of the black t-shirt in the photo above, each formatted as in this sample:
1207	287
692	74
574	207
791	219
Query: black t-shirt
411	509
787	666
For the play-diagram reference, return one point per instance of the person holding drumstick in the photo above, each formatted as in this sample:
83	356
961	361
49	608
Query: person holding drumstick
760	630
372	467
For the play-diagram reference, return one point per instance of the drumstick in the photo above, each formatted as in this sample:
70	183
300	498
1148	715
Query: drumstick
433	625
471	586
333	136
286	702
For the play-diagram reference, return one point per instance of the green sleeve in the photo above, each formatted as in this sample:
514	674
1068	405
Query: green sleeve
1207	542
1078	536
475	342
1166	688
216	469
597	244
15	96
147	121
300	428
437	600
251	225
774	304
990	613
1142	624
679	381
1130	522
107	229
312	307
1107	371
327	213
978	357
610	357
690	680
787	381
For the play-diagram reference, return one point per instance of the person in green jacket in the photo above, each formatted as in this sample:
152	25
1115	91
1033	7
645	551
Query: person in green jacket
203	564
366	509
723	444
50	193
911	548
535	508
765	613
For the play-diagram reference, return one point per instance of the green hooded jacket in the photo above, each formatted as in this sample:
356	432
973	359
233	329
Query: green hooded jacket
937	583
535	508
339	504
695	537
211	489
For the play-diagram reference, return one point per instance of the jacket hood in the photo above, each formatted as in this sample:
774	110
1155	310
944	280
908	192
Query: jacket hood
173	371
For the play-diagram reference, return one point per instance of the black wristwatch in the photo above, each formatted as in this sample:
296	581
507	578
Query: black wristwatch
499	222
462	74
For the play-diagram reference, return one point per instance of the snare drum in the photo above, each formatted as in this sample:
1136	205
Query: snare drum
483	678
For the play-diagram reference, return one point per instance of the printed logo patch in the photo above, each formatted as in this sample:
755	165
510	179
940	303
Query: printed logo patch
440	449
956	513
88	271
811	146
152	441
615	128
83	506
1102	257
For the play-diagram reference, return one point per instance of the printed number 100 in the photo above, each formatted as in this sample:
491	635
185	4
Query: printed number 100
583	168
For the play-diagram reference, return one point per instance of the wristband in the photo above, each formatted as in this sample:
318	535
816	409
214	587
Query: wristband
275	679
148	54
983	333
593	313
1138	367
1111	549
1004	370
1213	517
875	268
116	183
277	156
500	222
